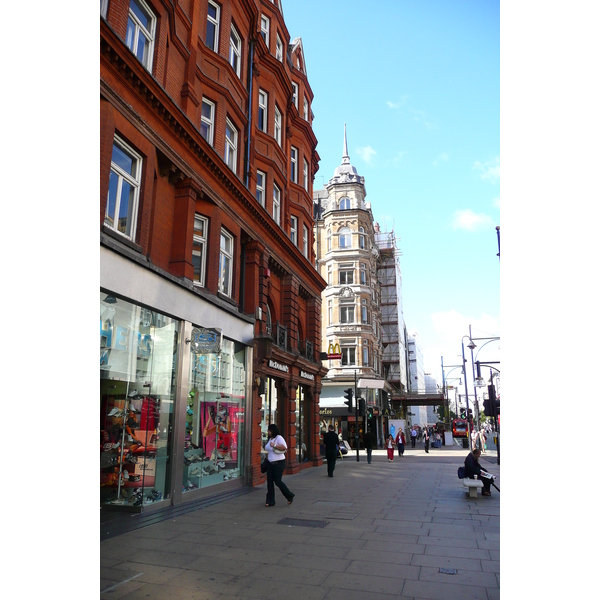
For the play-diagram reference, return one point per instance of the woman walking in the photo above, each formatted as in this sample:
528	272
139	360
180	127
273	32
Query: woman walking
276	448
390	448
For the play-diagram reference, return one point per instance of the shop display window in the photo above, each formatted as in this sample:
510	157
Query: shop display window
268	411
215	424
138	367
301	425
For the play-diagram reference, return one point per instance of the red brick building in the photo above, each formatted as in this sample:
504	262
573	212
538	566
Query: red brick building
210	302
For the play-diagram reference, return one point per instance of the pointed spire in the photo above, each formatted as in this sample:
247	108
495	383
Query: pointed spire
345	157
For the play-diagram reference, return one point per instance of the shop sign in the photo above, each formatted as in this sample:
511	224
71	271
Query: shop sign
334	352
205	341
278	366
306	375
325	412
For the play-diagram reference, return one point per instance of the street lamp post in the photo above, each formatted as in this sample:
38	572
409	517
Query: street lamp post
445	388
470	345
494	416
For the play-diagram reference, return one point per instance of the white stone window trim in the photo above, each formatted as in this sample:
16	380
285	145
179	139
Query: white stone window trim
294	164
200	240
133	180
276	204
265	27
216	22
294	230
149	34
231	145
277	126
208	121
263	108
235	51
261	187
225	257
305	240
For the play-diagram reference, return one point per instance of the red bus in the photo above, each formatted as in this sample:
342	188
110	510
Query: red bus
460	428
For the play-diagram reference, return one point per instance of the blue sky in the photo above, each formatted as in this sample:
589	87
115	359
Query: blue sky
417	84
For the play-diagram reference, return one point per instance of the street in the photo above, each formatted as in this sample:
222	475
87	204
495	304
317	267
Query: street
405	529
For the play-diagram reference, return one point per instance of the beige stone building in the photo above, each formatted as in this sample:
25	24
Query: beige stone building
347	258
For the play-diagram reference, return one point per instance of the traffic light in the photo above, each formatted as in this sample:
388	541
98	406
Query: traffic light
494	402
348	401
487	407
369	412
463	413
361	407
470	414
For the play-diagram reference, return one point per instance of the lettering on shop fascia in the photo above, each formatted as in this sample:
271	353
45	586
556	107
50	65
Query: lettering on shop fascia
279	367
306	375
325	411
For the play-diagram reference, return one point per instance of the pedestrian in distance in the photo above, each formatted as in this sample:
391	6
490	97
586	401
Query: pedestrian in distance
473	470
426	440
482	441
276	448
331	441
413	437
389	444
400	441
370	444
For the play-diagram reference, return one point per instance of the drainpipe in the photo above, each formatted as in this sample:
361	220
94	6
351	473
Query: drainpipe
250	77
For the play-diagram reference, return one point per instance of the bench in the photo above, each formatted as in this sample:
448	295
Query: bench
472	485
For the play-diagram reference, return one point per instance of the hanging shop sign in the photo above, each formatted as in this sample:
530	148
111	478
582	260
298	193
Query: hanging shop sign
205	341
275	365
334	351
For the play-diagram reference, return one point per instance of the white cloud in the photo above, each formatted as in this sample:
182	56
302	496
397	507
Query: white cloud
397	105
490	170
367	153
443	157
470	221
399	156
496	203
420	116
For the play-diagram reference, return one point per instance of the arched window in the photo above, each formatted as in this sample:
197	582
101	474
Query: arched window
345	236
345	203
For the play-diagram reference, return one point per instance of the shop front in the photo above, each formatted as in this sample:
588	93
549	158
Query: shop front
288	399
173	394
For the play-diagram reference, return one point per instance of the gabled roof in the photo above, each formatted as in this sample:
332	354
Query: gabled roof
294	45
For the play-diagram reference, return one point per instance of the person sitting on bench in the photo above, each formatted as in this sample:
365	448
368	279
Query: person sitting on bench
472	468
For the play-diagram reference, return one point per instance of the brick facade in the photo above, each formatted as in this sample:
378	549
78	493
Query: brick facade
158	114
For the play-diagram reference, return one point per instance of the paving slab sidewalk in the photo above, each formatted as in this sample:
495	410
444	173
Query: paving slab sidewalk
405	529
